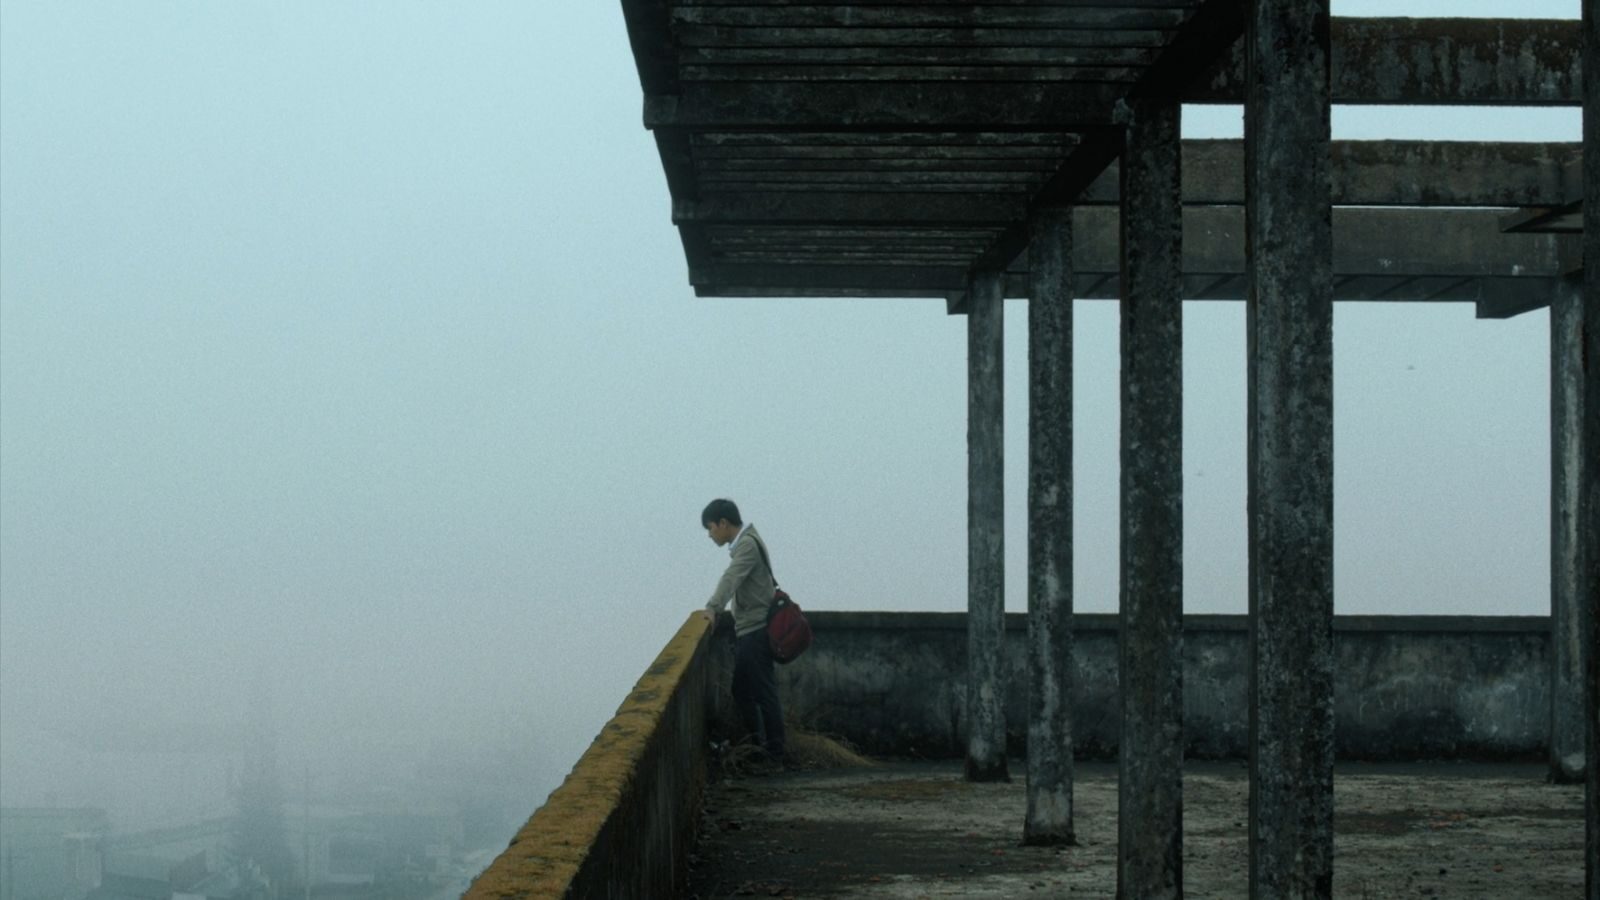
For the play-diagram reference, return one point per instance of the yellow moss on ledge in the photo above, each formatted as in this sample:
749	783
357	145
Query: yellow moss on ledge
547	853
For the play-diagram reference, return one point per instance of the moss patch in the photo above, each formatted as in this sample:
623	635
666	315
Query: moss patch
547	853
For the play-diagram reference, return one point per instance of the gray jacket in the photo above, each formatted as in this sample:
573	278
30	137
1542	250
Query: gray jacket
748	583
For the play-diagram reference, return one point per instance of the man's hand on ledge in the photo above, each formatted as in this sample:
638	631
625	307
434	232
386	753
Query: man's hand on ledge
708	615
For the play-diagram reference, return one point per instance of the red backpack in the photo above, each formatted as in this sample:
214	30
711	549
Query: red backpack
788	632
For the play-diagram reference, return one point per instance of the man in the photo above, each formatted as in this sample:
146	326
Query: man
749	584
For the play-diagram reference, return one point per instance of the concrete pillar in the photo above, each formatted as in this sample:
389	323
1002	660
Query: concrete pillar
1289	241
986	576
1150	659
1589	467
1049	815
1567	732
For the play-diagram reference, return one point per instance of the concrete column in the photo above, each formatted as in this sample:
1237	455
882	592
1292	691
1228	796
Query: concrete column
1589	467
1567	731
1049	815
1289	241
986	575
1150	666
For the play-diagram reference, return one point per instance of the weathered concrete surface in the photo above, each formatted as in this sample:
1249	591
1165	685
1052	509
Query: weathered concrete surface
917	830
1050	757
1150	657
986	604
1405	687
1480	62
1567	731
1380	255
883	105
1589	468
621	823
1289	327
1389	173
1365	173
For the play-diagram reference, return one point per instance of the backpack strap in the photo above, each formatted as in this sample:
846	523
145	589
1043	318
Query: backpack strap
763	548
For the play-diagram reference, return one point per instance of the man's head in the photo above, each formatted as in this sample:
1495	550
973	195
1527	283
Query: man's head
721	521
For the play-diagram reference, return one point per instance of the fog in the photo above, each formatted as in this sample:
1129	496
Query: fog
348	363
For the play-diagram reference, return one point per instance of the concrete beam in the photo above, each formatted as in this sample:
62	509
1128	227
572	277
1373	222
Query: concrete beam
1566	219
1457	244
1495	298
1365	173
986	596
1504	298
779	106
1290	432
1050	662
1566	613
1589	467
868	141
1070	17
1150	760
801	208
778	27
1464	242
1563	216
1438	62
1390	173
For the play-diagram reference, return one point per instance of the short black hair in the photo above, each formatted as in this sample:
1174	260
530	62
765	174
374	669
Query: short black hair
718	510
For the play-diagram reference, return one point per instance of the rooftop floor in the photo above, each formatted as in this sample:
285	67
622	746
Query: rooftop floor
916	829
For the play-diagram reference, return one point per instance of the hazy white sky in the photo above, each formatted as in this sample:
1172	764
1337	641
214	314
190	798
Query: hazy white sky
351	346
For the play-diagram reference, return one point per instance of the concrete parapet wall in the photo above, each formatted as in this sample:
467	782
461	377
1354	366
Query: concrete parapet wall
622	823
1406	687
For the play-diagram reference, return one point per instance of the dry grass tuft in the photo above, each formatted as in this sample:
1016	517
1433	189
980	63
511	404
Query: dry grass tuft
808	750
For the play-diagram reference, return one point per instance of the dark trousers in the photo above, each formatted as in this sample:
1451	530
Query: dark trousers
755	691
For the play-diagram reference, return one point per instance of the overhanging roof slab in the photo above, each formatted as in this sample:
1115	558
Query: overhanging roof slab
897	148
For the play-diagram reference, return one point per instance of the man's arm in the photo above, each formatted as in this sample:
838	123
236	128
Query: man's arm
745	558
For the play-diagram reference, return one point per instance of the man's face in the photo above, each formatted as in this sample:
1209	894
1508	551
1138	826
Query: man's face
722	532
